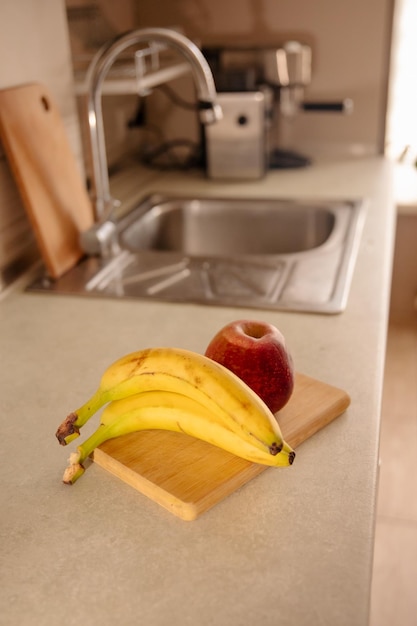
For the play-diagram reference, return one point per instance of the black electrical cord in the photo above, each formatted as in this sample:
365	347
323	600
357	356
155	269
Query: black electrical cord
163	156
157	157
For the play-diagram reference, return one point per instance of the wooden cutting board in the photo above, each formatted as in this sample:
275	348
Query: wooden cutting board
46	173
188	476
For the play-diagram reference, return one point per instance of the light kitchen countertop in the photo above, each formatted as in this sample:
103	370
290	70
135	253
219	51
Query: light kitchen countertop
293	546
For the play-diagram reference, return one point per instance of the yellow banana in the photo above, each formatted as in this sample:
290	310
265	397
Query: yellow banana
188	373
173	411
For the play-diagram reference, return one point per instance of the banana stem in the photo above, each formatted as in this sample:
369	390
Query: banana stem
96	439
76	460
73	471
70	427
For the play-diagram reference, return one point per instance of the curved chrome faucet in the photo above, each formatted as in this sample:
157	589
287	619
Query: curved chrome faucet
210	111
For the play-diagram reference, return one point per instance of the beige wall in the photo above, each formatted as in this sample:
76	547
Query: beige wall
34	46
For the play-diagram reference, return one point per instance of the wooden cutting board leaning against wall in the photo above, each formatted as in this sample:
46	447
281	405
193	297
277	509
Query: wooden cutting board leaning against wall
188	476
46	173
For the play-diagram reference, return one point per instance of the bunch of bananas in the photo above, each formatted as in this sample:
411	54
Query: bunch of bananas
178	390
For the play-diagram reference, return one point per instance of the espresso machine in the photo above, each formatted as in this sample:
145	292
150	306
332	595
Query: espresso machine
258	89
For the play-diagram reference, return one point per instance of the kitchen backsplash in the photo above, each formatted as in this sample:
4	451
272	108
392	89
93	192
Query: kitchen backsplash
350	43
16	235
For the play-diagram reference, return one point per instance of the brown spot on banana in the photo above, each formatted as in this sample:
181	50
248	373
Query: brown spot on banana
275	448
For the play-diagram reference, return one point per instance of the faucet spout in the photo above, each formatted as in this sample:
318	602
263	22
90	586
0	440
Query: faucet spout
209	109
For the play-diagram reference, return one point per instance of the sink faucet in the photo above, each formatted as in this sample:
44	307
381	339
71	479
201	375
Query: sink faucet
209	110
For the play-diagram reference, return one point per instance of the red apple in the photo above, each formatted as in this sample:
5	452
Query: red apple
257	353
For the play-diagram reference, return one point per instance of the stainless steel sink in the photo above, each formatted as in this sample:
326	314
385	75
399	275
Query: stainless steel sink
262	253
204	227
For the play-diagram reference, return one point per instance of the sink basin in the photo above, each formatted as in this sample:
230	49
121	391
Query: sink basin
205	227
283	254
